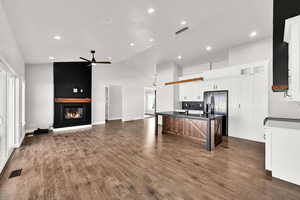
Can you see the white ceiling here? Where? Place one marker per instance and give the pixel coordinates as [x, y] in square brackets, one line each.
[83, 26]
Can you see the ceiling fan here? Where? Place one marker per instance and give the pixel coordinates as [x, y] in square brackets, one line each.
[93, 61]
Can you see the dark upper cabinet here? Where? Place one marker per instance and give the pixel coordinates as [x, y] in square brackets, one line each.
[283, 9]
[70, 75]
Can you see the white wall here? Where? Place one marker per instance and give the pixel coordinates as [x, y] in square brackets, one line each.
[251, 52]
[10, 52]
[132, 82]
[167, 97]
[199, 68]
[39, 96]
[115, 102]
[9, 48]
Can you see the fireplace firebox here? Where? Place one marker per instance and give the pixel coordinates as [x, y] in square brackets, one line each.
[71, 114]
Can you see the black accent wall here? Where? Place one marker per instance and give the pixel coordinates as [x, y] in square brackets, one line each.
[69, 75]
[283, 9]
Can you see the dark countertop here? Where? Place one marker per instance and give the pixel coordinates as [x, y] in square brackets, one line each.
[190, 116]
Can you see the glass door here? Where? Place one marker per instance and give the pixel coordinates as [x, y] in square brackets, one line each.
[11, 125]
[3, 135]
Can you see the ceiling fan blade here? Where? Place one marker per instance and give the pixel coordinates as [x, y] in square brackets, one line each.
[85, 59]
[103, 62]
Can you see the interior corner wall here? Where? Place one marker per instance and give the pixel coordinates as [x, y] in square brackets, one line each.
[39, 96]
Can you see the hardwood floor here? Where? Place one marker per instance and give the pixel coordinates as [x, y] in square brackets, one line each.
[126, 161]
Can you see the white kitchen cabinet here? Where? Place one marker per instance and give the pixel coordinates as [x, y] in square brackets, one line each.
[190, 91]
[247, 87]
[292, 37]
[282, 150]
[268, 148]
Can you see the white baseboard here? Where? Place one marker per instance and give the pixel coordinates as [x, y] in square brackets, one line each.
[132, 119]
[115, 118]
[20, 142]
[72, 128]
[99, 123]
[29, 131]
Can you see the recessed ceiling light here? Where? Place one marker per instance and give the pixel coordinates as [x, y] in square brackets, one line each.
[151, 10]
[179, 57]
[57, 37]
[151, 39]
[107, 20]
[253, 34]
[183, 22]
[208, 48]
[51, 58]
[132, 44]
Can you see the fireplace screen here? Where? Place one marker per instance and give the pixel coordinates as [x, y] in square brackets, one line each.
[73, 112]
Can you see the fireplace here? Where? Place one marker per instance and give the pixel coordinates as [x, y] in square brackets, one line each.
[72, 94]
[68, 114]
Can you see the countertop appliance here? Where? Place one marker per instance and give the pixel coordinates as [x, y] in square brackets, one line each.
[216, 102]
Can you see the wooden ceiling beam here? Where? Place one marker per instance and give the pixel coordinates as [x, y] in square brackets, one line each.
[184, 81]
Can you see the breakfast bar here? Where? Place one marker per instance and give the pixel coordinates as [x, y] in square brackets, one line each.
[206, 128]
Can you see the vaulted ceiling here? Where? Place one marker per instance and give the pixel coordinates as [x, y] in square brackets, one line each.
[109, 26]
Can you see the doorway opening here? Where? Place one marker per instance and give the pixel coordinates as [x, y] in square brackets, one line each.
[113, 102]
[149, 102]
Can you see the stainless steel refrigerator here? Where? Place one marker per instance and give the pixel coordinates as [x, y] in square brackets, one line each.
[216, 102]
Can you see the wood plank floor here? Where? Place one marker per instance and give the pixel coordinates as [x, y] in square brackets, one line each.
[126, 161]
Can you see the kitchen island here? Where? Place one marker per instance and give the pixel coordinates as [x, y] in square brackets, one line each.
[204, 127]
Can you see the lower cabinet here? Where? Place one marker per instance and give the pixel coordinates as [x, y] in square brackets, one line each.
[282, 152]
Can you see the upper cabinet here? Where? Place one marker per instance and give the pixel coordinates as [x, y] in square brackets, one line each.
[190, 91]
[292, 37]
[220, 79]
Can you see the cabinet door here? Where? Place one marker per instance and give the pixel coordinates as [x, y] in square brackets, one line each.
[198, 91]
[183, 92]
[268, 148]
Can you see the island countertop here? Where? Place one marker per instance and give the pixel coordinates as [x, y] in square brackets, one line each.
[190, 116]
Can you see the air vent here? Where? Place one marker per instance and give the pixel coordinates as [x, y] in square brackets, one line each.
[15, 173]
[181, 30]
